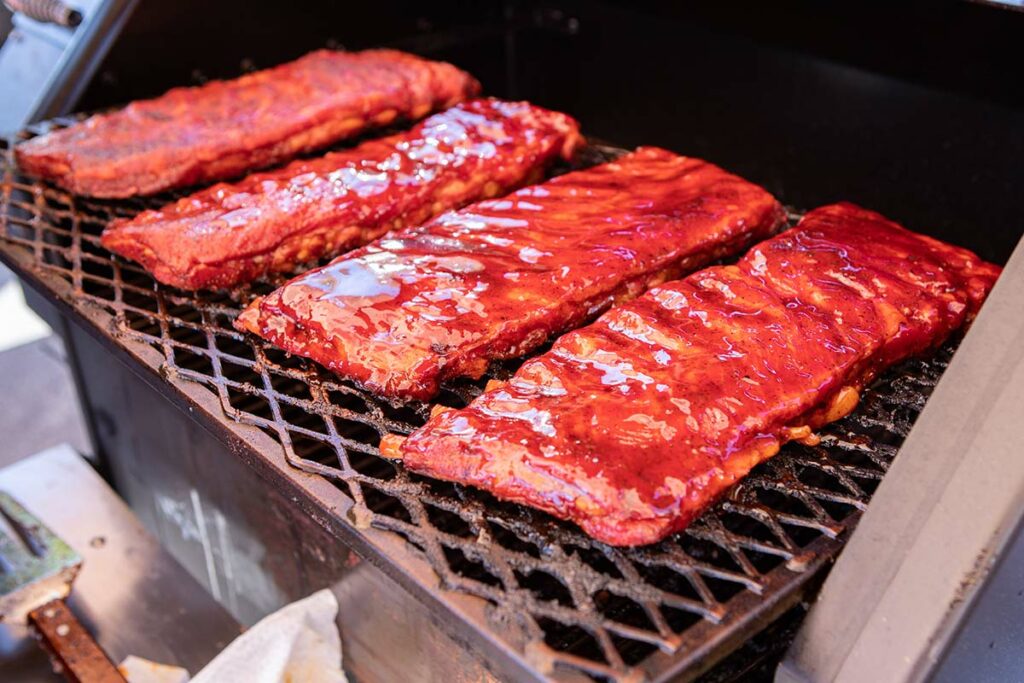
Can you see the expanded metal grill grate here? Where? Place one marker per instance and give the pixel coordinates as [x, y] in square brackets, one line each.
[665, 610]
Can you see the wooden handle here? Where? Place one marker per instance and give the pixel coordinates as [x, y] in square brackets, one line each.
[71, 647]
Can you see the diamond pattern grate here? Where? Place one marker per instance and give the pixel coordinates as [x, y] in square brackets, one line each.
[611, 614]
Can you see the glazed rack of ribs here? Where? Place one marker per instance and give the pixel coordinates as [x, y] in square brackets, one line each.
[498, 278]
[228, 234]
[563, 604]
[632, 426]
[220, 129]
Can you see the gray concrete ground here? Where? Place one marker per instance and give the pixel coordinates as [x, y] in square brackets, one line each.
[38, 405]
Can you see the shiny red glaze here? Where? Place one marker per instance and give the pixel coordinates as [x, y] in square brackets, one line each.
[222, 128]
[498, 278]
[632, 426]
[268, 222]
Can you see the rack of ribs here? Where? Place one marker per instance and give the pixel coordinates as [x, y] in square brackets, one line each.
[270, 222]
[219, 130]
[632, 426]
[500, 277]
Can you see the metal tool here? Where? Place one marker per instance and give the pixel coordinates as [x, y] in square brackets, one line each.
[36, 572]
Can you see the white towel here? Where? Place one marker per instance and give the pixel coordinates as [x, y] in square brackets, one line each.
[299, 642]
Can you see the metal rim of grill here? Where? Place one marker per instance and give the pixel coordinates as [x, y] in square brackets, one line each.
[651, 613]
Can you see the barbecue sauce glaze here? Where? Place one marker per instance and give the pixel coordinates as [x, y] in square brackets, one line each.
[498, 278]
[222, 128]
[269, 222]
[634, 425]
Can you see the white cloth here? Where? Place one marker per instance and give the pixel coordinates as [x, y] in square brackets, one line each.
[139, 670]
[299, 642]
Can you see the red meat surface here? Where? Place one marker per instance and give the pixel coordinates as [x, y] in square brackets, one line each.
[269, 222]
[634, 425]
[223, 128]
[500, 277]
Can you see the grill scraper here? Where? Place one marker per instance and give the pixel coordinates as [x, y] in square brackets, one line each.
[36, 572]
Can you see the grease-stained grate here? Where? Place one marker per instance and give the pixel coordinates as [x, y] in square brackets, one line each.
[617, 614]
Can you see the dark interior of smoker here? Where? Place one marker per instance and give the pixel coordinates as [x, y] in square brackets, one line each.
[905, 109]
[911, 109]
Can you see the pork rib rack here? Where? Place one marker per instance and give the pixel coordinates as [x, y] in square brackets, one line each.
[632, 426]
[270, 222]
[500, 277]
[219, 130]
